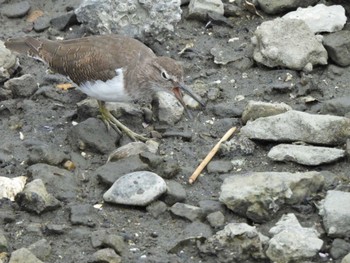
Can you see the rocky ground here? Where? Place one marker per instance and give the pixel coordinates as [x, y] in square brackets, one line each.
[278, 191]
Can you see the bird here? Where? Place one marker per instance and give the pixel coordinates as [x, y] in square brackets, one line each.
[109, 68]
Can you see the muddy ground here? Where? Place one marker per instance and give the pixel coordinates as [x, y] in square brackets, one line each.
[49, 119]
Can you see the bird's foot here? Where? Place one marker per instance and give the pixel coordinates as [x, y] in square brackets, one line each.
[112, 121]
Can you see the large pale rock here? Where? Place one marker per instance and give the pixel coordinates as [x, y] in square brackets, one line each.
[10, 187]
[335, 211]
[288, 43]
[300, 126]
[279, 6]
[8, 62]
[292, 242]
[131, 17]
[237, 242]
[321, 18]
[306, 155]
[260, 195]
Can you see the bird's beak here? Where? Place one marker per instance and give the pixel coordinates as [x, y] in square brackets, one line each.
[178, 94]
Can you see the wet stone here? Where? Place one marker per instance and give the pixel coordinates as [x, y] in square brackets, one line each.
[189, 212]
[137, 188]
[41, 249]
[340, 248]
[175, 193]
[55, 229]
[82, 215]
[339, 106]
[168, 169]
[23, 86]
[216, 219]
[211, 206]
[106, 255]
[64, 21]
[156, 208]
[15, 10]
[35, 198]
[44, 153]
[41, 24]
[219, 166]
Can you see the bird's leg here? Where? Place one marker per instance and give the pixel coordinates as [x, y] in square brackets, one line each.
[110, 120]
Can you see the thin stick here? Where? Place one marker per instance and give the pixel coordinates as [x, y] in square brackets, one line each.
[210, 155]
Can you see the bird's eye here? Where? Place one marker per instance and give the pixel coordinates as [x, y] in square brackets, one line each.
[164, 75]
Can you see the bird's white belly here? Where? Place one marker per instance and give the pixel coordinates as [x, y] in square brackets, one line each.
[110, 90]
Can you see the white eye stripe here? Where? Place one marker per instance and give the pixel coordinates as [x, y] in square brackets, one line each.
[165, 75]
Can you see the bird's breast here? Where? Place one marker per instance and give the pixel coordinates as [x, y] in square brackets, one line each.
[112, 90]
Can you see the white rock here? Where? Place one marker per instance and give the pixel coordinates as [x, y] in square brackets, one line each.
[306, 155]
[202, 7]
[292, 242]
[8, 62]
[168, 109]
[321, 18]
[335, 212]
[137, 188]
[10, 187]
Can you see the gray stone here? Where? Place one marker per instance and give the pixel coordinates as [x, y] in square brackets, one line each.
[279, 6]
[106, 255]
[198, 229]
[114, 241]
[259, 195]
[175, 193]
[23, 255]
[137, 188]
[45, 153]
[82, 215]
[346, 259]
[238, 145]
[23, 86]
[216, 219]
[237, 242]
[288, 43]
[127, 150]
[257, 109]
[41, 249]
[35, 198]
[97, 237]
[189, 212]
[132, 18]
[219, 166]
[56, 229]
[15, 10]
[339, 106]
[64, 21]
[226, 109]
[156, 208]
[340, 248]
[335, 211]
[300, 126]
[112, 171]
[230, 52]
[291, 242]
[338, 45]
[93, 135]
[167, 108]
[306, 155]
[8, 63]
[58, 181]
[320, 18]
[211, 206]
[200, 8]
[41, 24]
[4, 246]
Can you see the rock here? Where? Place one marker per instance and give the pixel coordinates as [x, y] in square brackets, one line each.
[23, 255]
[4, 246]
[92, 134]
[337, 46]
[41, 249]
[15, 10]
[237, 242]
[339, 248]
[306, 155]
[230, 52]
[115, 242]
[346, 259]
[130, 18]
[258, 109]
[64, 21]
[320, 18]
[106, 255]
[23, 86]
[82, 215]
[219, 166]
[45, 153]
[58, 181]
[216, 219]
[35, 198]
[112, 171]
[41, 24]
[55, 229]
[137, 188]
[226, 109]
[156, 208]
[291, 242]
[189, 212]
[127, 150]
[288, 43]
[259, 195]
[197, 229]
[175, 193]
[339, 106]
[10, 187]
[239, 144]
[200, 8]
[167, 108]
[299, 126]
[8, 63]
[211, 206]
[335, 212]
[279, 6]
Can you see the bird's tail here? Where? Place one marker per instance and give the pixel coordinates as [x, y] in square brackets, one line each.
[25, 45]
